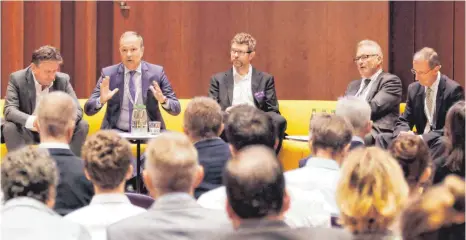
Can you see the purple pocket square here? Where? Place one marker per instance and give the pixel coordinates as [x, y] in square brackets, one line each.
[259, 95]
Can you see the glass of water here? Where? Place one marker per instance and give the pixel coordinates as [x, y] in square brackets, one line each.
[154, 127]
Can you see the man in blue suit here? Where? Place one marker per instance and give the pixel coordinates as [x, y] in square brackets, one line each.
[130, 82]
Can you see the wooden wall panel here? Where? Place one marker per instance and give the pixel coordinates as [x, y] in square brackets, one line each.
[104, 37]
[12, 41]
[68, 38]
[459, 41]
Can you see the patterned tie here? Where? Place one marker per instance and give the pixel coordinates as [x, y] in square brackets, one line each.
[132, 92]
[429, 101]
[366, 83]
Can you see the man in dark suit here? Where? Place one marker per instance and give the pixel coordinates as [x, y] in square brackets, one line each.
[56, 116]
[428, 101]
[25, 90]
[203, 124]
[380, 89]
[243, 84]
[133, 82]
[171, 175]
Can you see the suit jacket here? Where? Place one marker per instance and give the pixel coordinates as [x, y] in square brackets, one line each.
[448, 93]
[74, 190]
[20, 100]
[262, 84]
[384, 97]
[27, 218]
[171, 218]
[353, 145]
[213, 154]
[150, 73]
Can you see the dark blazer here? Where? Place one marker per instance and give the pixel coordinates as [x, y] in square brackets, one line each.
[171, 219]
[74, 190]
[213, 154]
[448, 93]
[150, 73]
[262, 84]
[384, 97]
[442, 171]
[20, 100]
[353, 145]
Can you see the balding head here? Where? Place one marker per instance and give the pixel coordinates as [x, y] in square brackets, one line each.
[255, 185]
[172, 165]
[57, 113]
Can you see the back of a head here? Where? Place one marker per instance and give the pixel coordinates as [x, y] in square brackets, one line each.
[172, 163]
[107, 158]
[454, 132]
[29, 172]
[203, 118]
[254, 183]
[56, 114]
[371, 190]
[439, 208]
[247, 125]
[329, 131]
[413, 155]
[356, 111]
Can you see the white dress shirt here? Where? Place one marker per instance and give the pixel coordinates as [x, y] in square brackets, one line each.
[39, 95]
[366, 91]
[48, 145]
[104, 210]
[430, 115]
[242, 91]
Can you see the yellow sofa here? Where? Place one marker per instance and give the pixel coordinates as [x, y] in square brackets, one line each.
[296, 112]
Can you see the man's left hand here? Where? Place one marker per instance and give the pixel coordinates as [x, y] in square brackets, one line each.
[157, 92]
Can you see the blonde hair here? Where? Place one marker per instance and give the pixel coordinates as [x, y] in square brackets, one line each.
[172, 162]
[56, 113]
[371, 190]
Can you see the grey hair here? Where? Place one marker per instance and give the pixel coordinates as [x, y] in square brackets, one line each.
[133, 33]
[356, 111]
[428, 54]
[371, 43]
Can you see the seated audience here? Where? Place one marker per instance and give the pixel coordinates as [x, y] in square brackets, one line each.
[56, 115]
[371, 193]
[412, 154]
[438, 214]
[171, 175]
[29, 179]
[203, 125]
[452, 162]
[107, 164]
[329, 141]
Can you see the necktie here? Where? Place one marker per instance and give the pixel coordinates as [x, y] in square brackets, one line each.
[429, 101]
[366, 83]
[132, 92]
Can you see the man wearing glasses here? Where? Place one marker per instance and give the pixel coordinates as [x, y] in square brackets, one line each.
[427, 104]
[380, 89]
[243, 84]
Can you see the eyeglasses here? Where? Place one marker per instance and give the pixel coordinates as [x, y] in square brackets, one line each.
[239, 52]
[419, 73]
[364, 57]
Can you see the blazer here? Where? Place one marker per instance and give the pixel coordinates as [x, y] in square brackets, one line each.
[170, 217]
[74, 190]
[20, 100]
[27, 218]
[384, 97]
[262, 85]
[448, 93]
[150, 73]
[213, 154]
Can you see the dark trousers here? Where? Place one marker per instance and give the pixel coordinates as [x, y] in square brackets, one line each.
[17, 136]
[436, 145]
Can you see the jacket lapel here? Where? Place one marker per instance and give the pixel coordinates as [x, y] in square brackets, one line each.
[145, 81]
[119, 82]
[229, 85]
[31, 87]
[439, 100]
[255, 81]
[374, 87]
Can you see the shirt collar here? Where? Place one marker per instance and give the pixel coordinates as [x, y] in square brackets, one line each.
[138, 69]
[206, 139]
[322, 163]
[235, 73]
[38, 85]
[109, 198]
[357, 139]
[54, 145]
[28, 201]
[375, 76]
[174, 196]
[434, 86]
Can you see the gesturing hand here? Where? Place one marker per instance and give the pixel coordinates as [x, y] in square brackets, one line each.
[105, 93]
[157, 92]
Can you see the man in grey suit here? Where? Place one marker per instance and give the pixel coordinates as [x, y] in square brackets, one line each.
[380, 89]
[25, 90]
[29, 179]
[171, 175]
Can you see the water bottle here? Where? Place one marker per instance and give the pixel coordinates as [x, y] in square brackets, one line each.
[139, 120]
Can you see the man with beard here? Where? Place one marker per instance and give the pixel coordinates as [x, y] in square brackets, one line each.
[243, 84]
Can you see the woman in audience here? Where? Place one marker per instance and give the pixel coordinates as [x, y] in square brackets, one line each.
[412, 154]
[453, 161]
[371, 193]
[437, 214]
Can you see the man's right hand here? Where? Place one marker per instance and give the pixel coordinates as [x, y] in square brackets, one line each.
[35, 125]
[105, 93]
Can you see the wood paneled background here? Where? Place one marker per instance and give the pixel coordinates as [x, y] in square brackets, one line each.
[307, 46]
